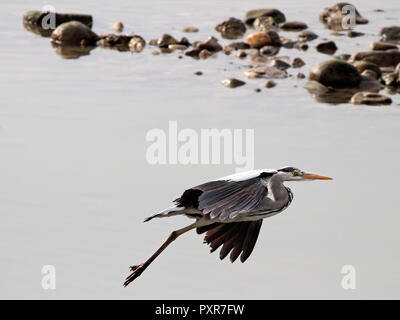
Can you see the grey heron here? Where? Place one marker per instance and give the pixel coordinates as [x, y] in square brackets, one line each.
[230, 210]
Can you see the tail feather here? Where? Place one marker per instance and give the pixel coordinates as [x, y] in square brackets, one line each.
[171, 211]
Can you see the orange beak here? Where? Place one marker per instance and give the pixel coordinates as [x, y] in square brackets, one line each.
[313, 176]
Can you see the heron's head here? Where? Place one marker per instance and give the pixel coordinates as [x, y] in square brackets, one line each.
[295, 174]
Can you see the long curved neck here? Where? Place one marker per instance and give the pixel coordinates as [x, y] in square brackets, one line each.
[277, 190]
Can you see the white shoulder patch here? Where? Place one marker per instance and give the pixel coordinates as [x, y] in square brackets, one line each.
[241, 176]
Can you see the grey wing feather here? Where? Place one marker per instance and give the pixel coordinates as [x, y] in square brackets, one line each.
[228, 199]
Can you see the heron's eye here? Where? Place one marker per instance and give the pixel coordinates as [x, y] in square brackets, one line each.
[296, 173]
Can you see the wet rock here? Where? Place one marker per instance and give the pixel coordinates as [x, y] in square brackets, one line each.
[336, 74]
[269, 50]
[327, 94]
[301, 46]
[74, 33]
[265, 23]
[231, 29]
[204, 54]
[117, 26]
[251, 15]
[237, 46]
[343, 57]
[288, 43]
[190, 29]
[391, 33]
[334, 16]
[270, 84]
[301, 75]
[193, 53]
[241, 54]
[198, 73]
[397, 69]
[137, 43]
[266, 72]
[44, 23]
[293, 26]
[166, 40]
[382, 46]
[328, 47]
[261, 39]
[153, 42]
[211, 44]
[257, 90]
[298, 63]
[114, 41]
[354, 34]
[307, 35]
[391, 79]
[362, 66]
[370, 98]
[381, 58]
[233, 83]
[369, 74]
[184, 41]
[279, 64]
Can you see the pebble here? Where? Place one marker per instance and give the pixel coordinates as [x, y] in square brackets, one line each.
[118, 26]
[261, 39]
[328, 47]
[211, 44]
[137, 44]
[354, 34]
[382, 46]
[204, 54]
[269, 50]
[386, 58]
[293, 26]
[190, 29]
[270, 84]
[265, 23]
[336, 74]
[370, 98]
[231, 29]
[298, 63]
[276, 14]
[333, 16]
[233, 83]
[390, 33]
[307, 35]
[240, 54]
[74, 33]
[198, 73]
[301, 75]
[165, 40]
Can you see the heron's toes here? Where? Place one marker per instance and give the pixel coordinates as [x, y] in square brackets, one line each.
[136, 272]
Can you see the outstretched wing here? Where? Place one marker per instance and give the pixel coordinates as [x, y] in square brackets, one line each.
[227, 198]
[237, 238]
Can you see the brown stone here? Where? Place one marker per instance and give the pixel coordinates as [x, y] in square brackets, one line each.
[328, 47]
[381, 58]
[261, 39]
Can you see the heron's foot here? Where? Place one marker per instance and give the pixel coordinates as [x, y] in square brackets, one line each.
[136, 272]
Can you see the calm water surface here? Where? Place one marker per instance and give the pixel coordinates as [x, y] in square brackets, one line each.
[75, 184]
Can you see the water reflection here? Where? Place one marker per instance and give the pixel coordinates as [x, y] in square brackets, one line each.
[331, 95]
[71, 52]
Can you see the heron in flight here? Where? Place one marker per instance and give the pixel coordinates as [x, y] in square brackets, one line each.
[230, 210]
